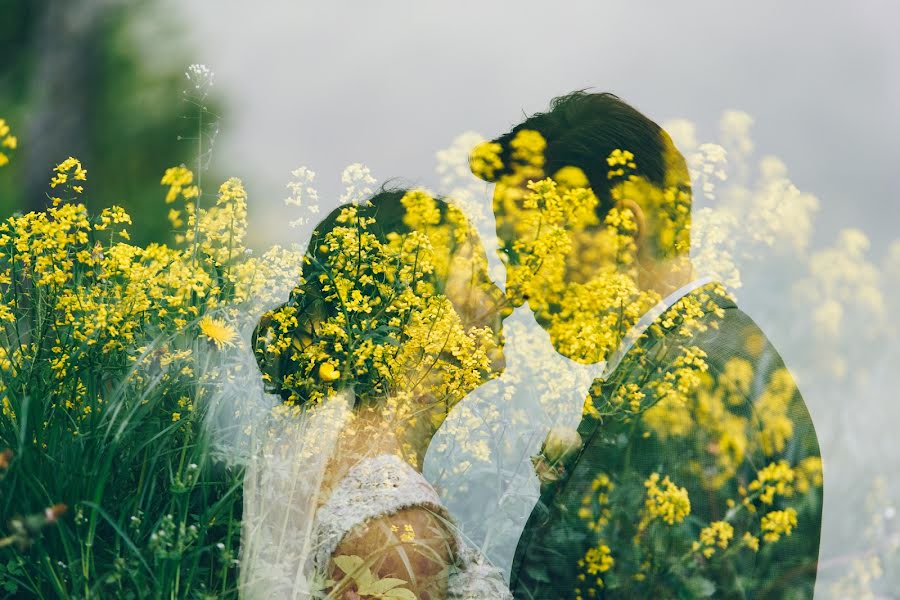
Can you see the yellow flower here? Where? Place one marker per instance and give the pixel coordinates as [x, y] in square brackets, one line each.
[69, 167]
[809, 473]
[176, 417]
[485, 161]
[409, 534]
[774, 478]
[570, 177]
[217, 331]
[328, 372]
[175, 218]
[598, 559]
[178, 178]
[667, 502]
[719, 533]
[751, 541]
[778, 523]
[7, 140]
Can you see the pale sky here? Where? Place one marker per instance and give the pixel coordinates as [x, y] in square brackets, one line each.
[324, 84]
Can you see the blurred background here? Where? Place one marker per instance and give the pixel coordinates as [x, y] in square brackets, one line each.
[325, 85]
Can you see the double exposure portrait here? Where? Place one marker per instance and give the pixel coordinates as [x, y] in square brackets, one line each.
[471, 302]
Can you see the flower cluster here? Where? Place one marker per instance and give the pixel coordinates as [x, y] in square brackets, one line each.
[717, 534]
[8, 143]
[68, 174]
[597, 560]
[665, 500]
[373, 310]
[114, 355]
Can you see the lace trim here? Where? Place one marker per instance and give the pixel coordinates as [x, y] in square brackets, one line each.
[476, 579]
[373, 488]
[384, 485]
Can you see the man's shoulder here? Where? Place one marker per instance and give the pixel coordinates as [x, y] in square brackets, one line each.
[710, 318]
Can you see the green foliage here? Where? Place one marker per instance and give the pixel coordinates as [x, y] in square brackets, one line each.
[122, 100]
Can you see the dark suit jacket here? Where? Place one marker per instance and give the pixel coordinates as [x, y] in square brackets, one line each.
[747, 414]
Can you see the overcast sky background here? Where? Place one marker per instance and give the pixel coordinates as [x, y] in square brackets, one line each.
[388, 84]
[324, 84]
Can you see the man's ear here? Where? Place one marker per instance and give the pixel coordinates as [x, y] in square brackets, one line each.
[639, 217]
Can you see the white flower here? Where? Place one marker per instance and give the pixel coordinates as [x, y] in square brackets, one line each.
[357, 178]
[201, 79]
[303, 195]
[707, 164]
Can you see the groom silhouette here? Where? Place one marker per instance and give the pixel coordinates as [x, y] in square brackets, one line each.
[695, 471]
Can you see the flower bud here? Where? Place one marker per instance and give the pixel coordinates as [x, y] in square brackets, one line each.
[327, 372]
[560, 444]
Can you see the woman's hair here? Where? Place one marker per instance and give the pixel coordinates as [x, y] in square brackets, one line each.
[370, 297]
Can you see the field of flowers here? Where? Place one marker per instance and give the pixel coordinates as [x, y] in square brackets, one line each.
[112, 358]
[125, 398]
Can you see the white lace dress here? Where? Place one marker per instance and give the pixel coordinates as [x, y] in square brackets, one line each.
[384, 485]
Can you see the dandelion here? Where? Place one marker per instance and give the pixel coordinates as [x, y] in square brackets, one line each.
[217, 331]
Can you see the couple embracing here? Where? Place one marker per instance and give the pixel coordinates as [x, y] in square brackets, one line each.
[694, 472]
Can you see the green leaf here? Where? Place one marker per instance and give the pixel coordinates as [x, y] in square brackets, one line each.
[399, 594]
[349, 564]
[364, 580]
[700, 587]
[381, 586]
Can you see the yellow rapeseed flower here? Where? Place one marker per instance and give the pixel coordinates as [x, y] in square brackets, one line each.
[69, 168]
[667, 501]
[485, 160]
[719, 533]
[778, 523]
[179, 180]
[751, 541]
[7, 140]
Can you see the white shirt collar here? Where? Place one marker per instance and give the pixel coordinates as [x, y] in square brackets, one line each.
[646, 320]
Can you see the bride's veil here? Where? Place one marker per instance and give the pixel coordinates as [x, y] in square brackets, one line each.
[282, 484]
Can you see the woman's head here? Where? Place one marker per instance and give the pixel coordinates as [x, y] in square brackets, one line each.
[395, 302]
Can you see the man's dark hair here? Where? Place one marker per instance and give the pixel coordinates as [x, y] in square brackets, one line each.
[582, 129]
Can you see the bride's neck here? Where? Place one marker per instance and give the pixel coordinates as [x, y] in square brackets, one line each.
[373, 432]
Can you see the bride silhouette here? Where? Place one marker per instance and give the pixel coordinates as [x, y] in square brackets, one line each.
[393, 322]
